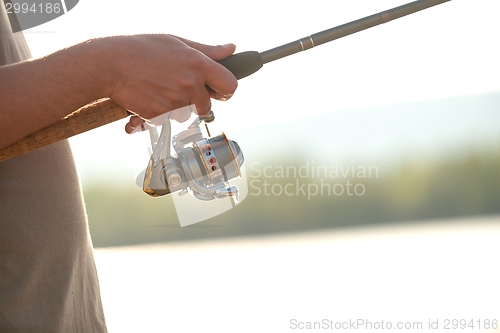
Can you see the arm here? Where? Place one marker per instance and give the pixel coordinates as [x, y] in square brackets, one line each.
[147, 74]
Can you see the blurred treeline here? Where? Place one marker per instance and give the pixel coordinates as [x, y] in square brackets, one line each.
[411, 191]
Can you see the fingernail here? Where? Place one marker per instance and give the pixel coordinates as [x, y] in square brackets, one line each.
[222, 97]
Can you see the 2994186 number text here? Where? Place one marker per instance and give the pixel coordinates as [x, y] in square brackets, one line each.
[459, 324]
[33, 8]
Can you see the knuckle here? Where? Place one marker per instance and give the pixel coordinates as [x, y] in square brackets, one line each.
[186, 82]
[195, 60]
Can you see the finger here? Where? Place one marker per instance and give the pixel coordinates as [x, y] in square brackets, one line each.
[202, 102]
[221, 81]
[218, 96]
[133, 123]
[218, 78]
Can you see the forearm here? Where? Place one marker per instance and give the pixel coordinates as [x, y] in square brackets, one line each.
[37, 93]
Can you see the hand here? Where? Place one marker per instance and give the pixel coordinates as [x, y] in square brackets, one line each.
[147, 74]
[154, 74]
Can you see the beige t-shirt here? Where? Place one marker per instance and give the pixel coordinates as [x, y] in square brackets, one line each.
[48, 280]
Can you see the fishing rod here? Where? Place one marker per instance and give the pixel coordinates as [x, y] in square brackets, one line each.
[243, 64]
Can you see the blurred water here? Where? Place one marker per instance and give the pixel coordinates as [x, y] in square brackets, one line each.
[442, 270]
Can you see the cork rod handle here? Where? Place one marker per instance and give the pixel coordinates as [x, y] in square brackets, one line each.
[89, 117]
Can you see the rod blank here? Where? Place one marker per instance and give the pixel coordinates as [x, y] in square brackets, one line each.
[346, 29]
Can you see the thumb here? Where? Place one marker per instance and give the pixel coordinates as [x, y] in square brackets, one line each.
[217, 52]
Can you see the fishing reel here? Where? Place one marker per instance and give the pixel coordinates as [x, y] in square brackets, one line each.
[201, 166]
